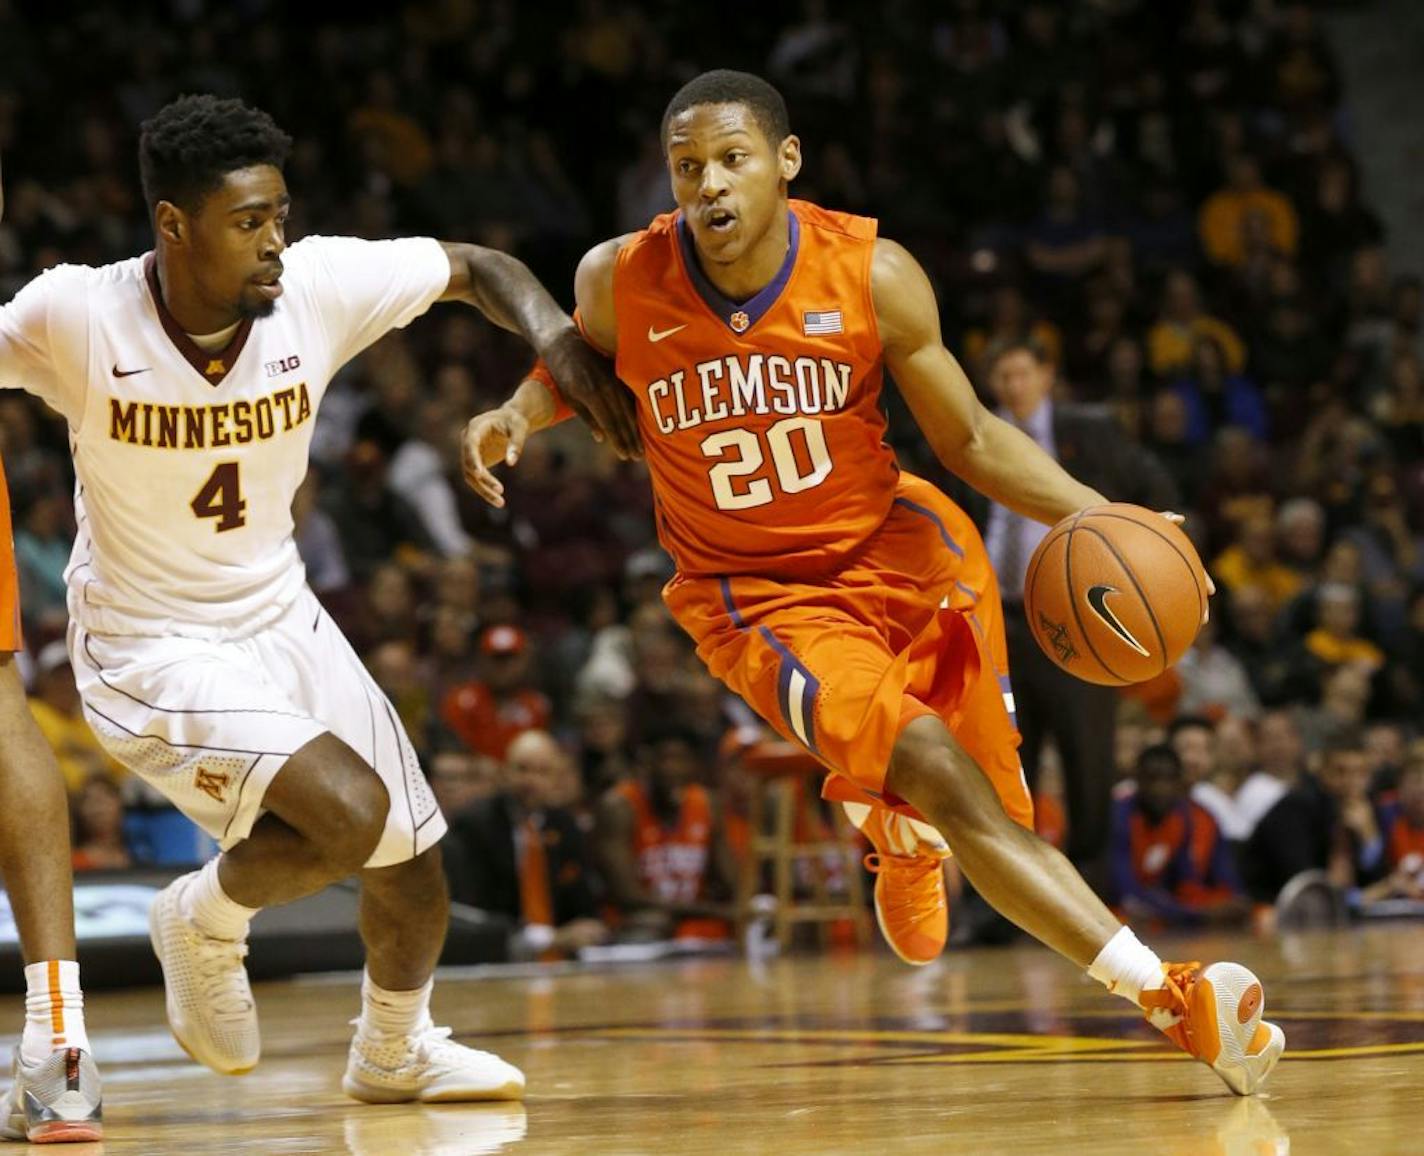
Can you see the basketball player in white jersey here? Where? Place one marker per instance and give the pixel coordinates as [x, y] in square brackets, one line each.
[190, 378]
[55, 1094]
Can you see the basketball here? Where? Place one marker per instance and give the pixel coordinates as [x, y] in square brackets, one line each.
[1115, 594]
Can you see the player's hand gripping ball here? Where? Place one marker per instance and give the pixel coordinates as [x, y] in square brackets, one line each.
[1115, 594]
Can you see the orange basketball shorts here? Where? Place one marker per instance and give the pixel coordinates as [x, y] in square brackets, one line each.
[10, 636]
[911, 626]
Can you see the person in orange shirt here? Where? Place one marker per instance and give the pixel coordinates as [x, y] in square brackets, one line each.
[1402, 827]
[850, 603]
[489, 713]
[660, 841]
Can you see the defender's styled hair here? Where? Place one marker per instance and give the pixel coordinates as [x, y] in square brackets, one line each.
[724, 86]
[188, 147]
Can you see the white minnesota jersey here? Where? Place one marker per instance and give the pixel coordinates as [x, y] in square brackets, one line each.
[187, 461]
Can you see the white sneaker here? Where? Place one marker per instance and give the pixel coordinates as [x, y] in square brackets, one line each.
[1215, 1014]
[210, 1006]
[56, 1101]
[428, 1066]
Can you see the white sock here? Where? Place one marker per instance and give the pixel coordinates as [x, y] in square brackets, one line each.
[1127, 968]
[393, 1013]
[205, 904]
[54, 1010]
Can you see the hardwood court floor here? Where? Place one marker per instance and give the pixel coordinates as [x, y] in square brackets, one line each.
[983, 1052]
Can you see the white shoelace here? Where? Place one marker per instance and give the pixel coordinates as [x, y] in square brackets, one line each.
[219, 964]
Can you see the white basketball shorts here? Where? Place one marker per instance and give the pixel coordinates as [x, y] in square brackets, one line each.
[211, 723]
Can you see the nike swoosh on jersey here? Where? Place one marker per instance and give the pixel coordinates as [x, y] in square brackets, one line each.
[130, 372]
[1098, 600]
[654, 336]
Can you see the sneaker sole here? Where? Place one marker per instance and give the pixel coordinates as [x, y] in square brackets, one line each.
[1236, 990]
[194, 1054]
[66, 1132]
[375, 1094]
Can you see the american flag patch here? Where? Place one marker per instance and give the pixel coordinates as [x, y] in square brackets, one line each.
[826, 321]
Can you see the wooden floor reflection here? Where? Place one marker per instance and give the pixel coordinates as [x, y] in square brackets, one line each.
[983, 1052]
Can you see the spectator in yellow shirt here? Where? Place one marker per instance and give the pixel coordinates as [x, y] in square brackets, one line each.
[1336, 640]
[55, 705]
[1223, 217]
[1173, 337]
[1251, 561]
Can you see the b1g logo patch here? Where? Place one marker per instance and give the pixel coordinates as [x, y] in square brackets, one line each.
[285, 365]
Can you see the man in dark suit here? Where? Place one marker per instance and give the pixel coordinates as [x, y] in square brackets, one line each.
[529, 861]
[1080, 717]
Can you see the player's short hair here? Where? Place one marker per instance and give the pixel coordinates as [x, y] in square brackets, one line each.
[188, 147]
[726, 86]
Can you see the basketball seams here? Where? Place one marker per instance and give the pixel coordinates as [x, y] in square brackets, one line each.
[1136, 585]
[1073, 602]
[1103, 512]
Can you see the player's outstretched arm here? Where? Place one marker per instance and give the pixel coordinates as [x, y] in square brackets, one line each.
[498, 435]
[993, 456]
[502, 288]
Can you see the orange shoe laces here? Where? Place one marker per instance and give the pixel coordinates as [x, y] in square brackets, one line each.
[1174, 998]
[916, 883]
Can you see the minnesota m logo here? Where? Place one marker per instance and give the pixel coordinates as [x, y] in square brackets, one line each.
[213, 783]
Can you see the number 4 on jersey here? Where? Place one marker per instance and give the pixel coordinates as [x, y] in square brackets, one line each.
[221, 498]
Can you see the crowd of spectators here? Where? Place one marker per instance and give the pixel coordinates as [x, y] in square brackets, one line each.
[1162, 195]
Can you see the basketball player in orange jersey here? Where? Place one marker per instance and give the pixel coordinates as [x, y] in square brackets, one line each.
[55, 1095]
[851, 604]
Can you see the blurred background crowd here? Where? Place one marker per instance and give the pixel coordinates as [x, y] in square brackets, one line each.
[1147, 216]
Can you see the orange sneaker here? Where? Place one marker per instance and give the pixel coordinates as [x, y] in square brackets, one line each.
[910, 902]
[1215, 1015]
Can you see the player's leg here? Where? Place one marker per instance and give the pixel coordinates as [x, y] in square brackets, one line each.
[55, 1094]
[293, 806]
[398, 1054]
[1213, 1014]
[325, 813]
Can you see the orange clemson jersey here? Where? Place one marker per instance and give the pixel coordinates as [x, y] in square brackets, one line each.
[672, 861]
[761, 418]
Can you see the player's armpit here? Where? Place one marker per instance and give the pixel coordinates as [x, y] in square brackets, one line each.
[996, 458]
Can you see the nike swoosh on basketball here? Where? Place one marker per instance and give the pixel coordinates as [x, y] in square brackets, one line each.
[130, 372]
[1098, 600]
[655, 336]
